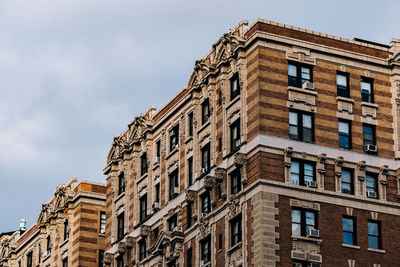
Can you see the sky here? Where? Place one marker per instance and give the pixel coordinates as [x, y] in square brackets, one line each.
[73, 74]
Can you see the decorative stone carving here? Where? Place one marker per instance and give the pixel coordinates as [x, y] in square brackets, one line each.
[234, 207]
[122, 247]
[209, 181]
[191, 196]
[221, 177]
[240, 161]
[145, 230]
[204, 228]
[361, 165]
[302, 99]
[108, 258]
[130, 242]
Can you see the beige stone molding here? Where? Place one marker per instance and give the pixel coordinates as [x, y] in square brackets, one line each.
[302, 99]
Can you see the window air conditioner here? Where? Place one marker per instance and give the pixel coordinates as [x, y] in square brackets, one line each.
[201, 263]
[237, 143]
[156, 160]
[203, 170]
[176, 190]
[311, 184]
[155, 206]
[308, 85]
[313, 233]
[371, 194]
[370, 148]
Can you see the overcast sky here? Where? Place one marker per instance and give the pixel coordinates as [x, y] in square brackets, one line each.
[73, 74]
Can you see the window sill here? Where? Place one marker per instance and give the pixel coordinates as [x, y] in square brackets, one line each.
[64, 242]
[102, 234]
[345, 99]
[350, 246]
[205, 125]
[368, 104]
[188, 139]
[233, 101]
[234, 248]
[119, 197]
[301, 90]
[304, 238]
[172, 152]
[377, 250]
[144, 176]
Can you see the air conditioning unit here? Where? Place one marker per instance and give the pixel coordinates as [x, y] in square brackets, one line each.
[371, 194]
[155, 206]
[46, 253]
[308, 85]
[203, 214]
[176, 190]
[156, 160]
[311, 232]
[203, 170]
[174, 229]
[370, 148]
[314, 264]
[202, 263]
[311, 184]
[237, 143]
[176, 146]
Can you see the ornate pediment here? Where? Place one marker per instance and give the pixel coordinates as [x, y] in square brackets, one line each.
[62, 196]
[170, 244]
[46, 213]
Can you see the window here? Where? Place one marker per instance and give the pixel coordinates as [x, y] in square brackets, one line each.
[172, 263]
[39, 253]
[219, 97]
[190, 121]
[142, 249]
[157, 193]
[173, 138]
[206, 202]
[121, 226]
[235, 135]
[236, 181]
[349, 233]
[101, 257]
[299, 74]
[346, 182]
[172, 223]
[220, 237]
[366, 90]
[143, 164]
[372, 185]
[342, 82]
[374, 235]
[205, 159]
[173, 184]
[65, 262]
[236, 230]
[344, 134]
[121, 183]
[205, 246]
[190, 171]
[235, 87]
[66, 230]
[102, 222]
[301, 126]
[120, 261]
[368, 134]
[29, 260]
[48, 244]
[189, 257]
[301, 173]
[158, 149]
[205, 111]
[220, 144]
[302, 220]
[143, 208]
[189, 217]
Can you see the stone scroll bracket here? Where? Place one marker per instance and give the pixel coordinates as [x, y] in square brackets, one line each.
[240, 161]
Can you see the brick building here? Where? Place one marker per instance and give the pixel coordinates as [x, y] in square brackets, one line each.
[281, 150]
[70, 230]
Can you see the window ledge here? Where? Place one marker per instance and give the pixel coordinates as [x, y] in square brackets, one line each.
[102, 234]
[188, 139]
[119, 197]
[64, 242]
[172, 152]
[345, 99]
[144, 176]
[204, 126]
[233, 101]
[304, 238]
[301, 90]
[377, 250]
[350, 246]
[372, 105]
[234, 248]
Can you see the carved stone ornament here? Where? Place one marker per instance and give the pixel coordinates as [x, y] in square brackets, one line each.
[240, 159]
[145, 230]
[209, 181]
[220, 174]
[130, 242]
[204, 228]
[233, 206]
[339, 161]
[361, 165]
[322, 158]
[121, 247]
[191, 196]
[108, 258]
[383, 169]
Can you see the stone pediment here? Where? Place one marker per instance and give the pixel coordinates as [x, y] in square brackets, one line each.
[166, 241]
